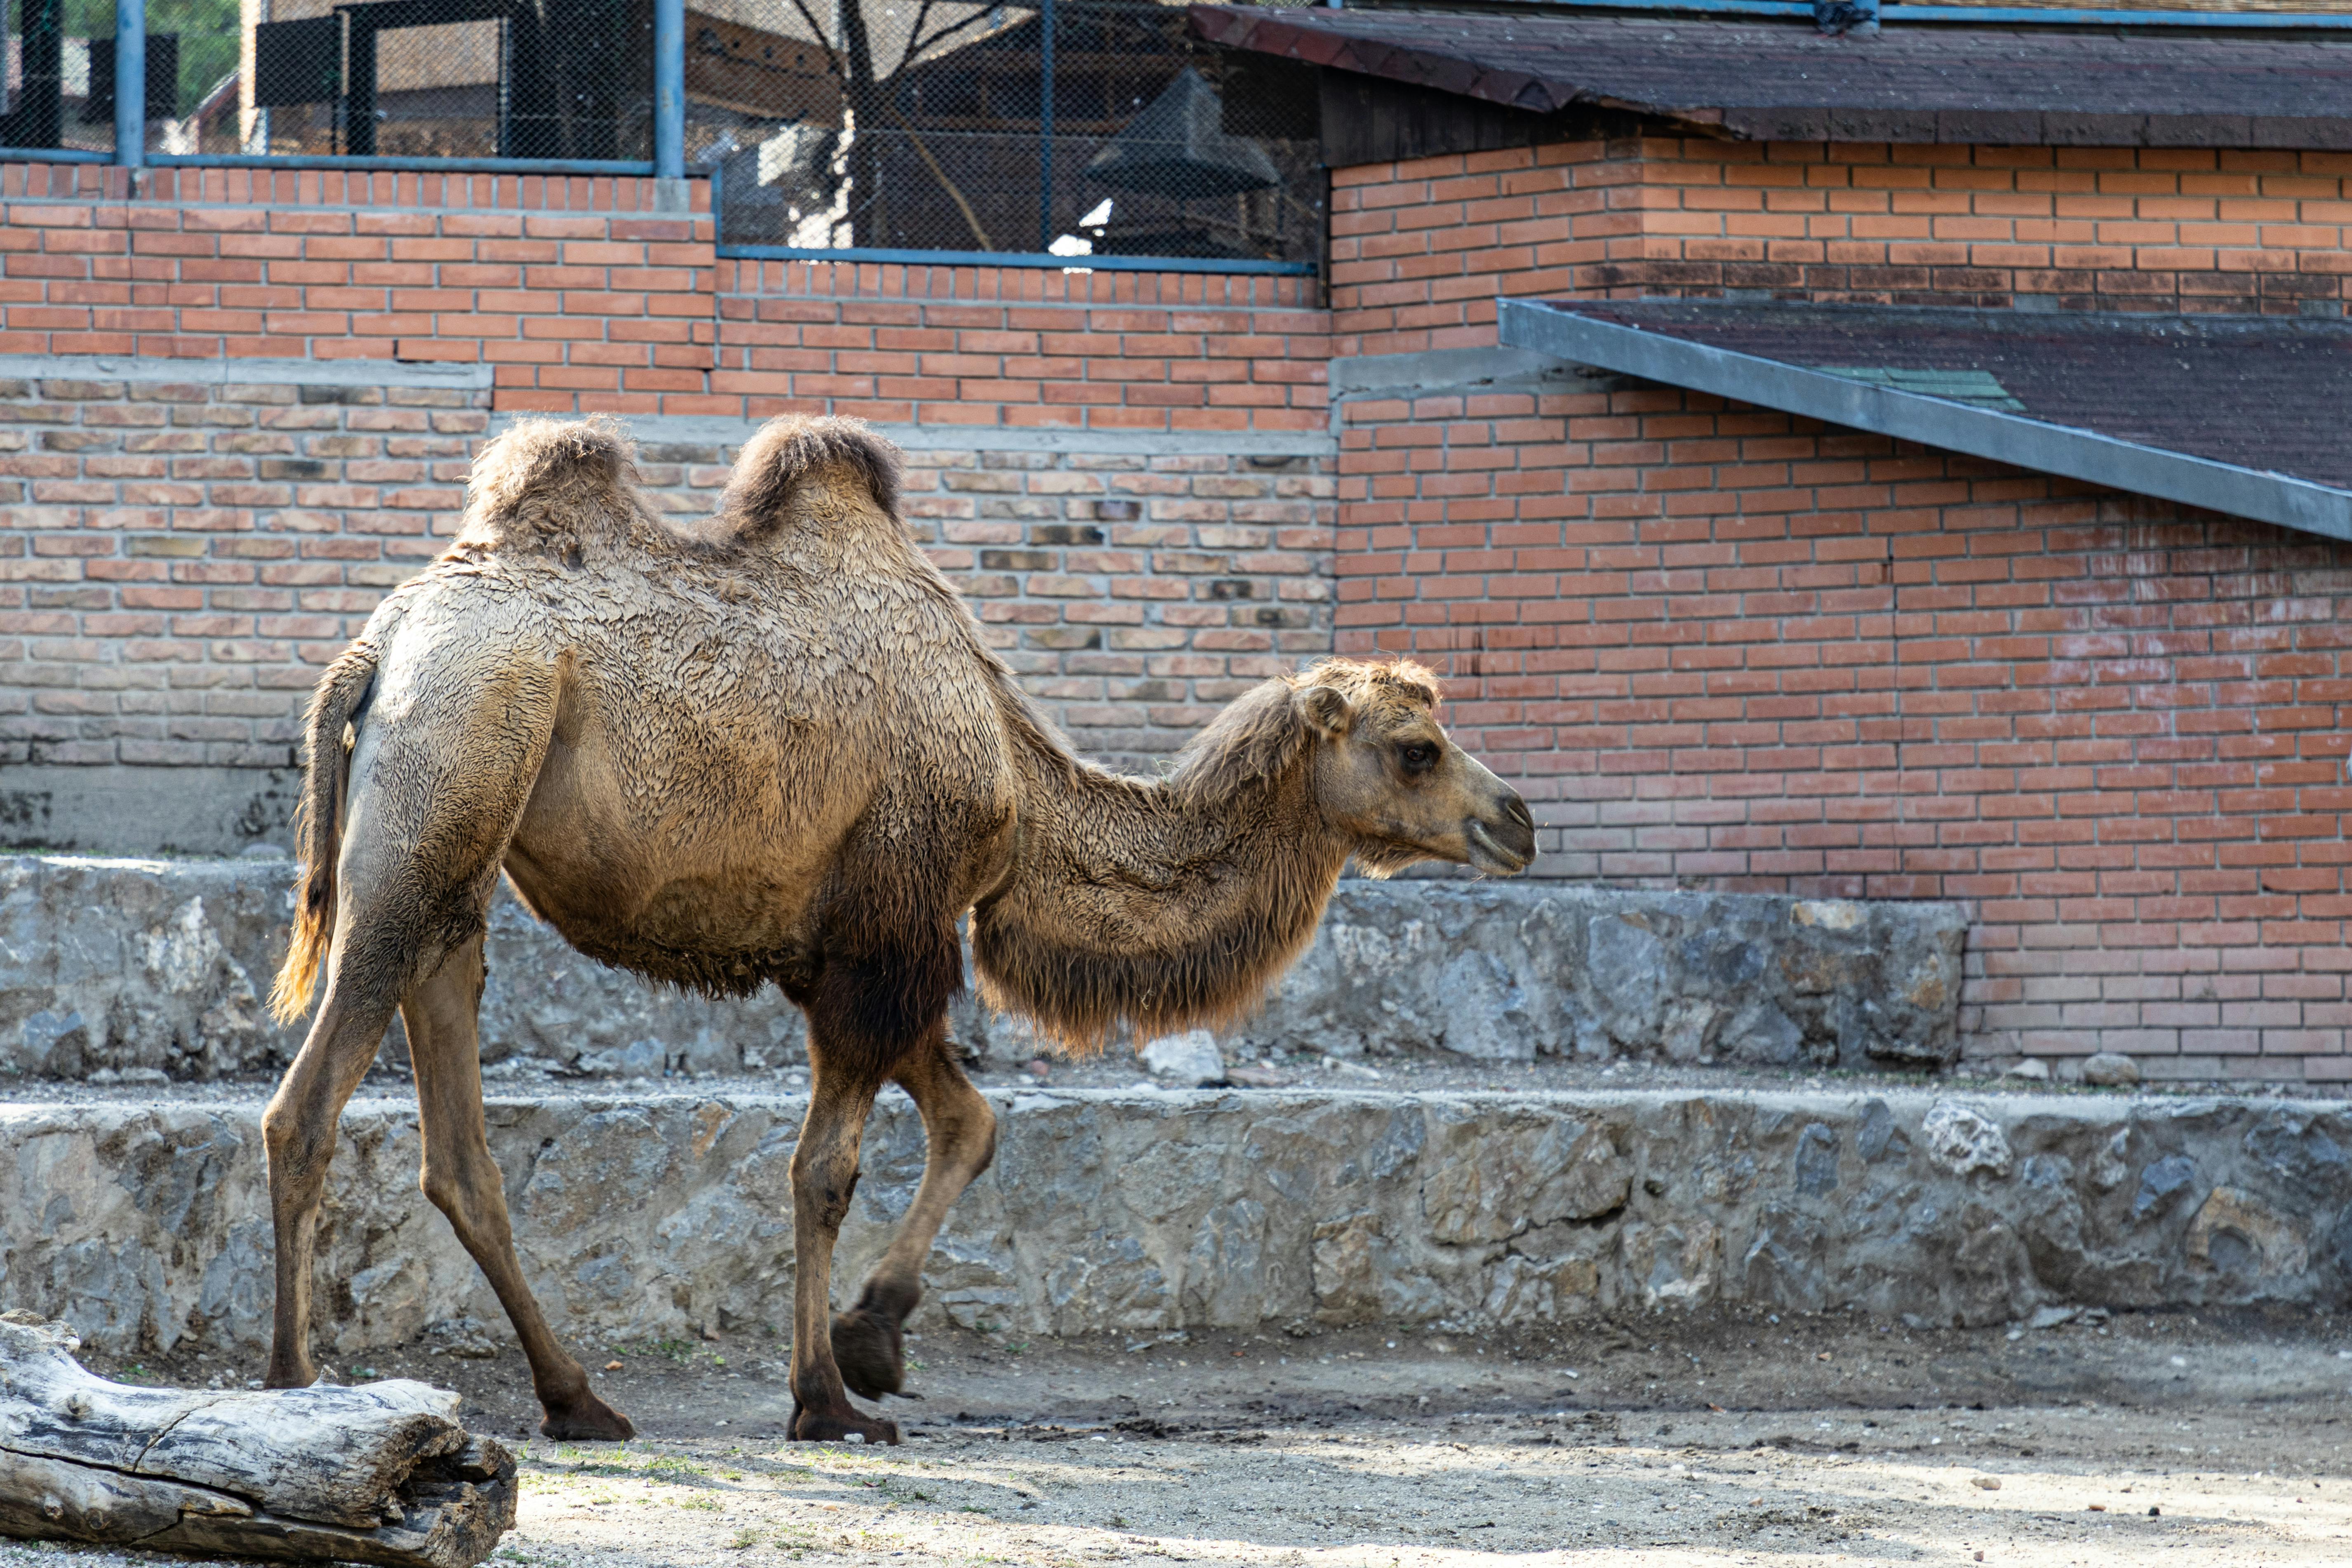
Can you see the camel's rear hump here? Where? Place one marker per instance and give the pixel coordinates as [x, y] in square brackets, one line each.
[556, 485]
[797, 473]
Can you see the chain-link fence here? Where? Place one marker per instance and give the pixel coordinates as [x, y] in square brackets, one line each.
[1068, 128]
[452, 78]
[569, 80]
[60, 75]
[1077, 127]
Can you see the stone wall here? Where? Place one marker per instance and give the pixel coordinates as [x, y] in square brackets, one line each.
[1155, 1211]
[109, 966]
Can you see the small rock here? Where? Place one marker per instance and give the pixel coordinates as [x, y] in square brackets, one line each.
[105, 1077]
[464, 1338]
[1963, 1138]
[2050, 1316]
[154, 1077]
[1986, 1483]
[2111, 1070]
[1191, 1059]
[1038, 1067]
[1255, 1077]
[2037, 1070]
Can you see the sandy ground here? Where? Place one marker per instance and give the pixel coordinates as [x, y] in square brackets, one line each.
[1725, 1439]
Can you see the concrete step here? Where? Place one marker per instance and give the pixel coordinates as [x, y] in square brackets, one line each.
[144, 1223]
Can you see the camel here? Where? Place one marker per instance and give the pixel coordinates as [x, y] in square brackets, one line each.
[774, 747]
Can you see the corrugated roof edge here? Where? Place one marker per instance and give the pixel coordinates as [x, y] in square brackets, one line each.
[2281, 498]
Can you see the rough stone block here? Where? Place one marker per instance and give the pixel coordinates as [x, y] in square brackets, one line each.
[664, 1215]
[162, 960]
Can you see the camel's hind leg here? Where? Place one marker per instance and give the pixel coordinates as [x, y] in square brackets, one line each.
[825, 1176]
[299, 1132]
[441, 1011]
[962, 1130]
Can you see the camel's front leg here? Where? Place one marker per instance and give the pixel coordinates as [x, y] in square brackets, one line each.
[465, 1184]
[825, 1176]
[961, 1129]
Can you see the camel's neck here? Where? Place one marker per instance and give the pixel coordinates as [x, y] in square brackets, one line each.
[1149, 902]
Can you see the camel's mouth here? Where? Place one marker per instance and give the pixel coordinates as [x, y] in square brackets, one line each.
[1490, 853]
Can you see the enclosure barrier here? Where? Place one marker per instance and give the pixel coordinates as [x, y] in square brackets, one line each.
[1058, 133]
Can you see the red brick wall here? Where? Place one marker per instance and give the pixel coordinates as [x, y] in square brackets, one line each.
[584, 299]
[1718, 644]
[1021, 347]
[179, 560]
[1421, 251]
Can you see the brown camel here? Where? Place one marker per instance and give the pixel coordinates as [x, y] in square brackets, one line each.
[775, 748]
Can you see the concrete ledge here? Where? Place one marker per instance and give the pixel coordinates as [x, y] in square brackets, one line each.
[145, 1226]
[696, 430]
[244, 372]
[114, 808]
[162, 963]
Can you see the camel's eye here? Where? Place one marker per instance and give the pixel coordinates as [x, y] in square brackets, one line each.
[1418, 757]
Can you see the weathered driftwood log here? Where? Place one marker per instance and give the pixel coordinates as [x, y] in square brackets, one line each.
[380, 1474]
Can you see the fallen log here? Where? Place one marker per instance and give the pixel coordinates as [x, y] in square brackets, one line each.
[380, 1474]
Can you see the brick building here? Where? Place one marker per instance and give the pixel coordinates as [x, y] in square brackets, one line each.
[1869, 621]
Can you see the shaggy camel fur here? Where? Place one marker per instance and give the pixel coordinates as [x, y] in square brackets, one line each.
[775, 748]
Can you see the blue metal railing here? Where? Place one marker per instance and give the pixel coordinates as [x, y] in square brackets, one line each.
[669, 161]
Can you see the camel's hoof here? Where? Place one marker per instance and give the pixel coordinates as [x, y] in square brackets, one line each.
[298, 1378]
[870, 1353]
[589, 1420]
[816, 1427]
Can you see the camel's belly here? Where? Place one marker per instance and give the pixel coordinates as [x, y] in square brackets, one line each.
[708, 888]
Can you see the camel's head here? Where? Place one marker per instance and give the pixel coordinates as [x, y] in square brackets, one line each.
[1386, 774]
[1381, 771]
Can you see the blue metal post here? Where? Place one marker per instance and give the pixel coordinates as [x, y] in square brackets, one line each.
[1046, 126]
[669, 89]
[130, 83]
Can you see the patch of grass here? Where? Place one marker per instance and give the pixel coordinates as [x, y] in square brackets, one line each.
[743, 1538]
[675, 1464]
[534, 1560]
[710, 1503]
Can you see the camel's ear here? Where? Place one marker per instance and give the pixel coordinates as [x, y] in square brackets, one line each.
[1326, 710]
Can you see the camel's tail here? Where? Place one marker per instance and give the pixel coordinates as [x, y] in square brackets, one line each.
[318, 823]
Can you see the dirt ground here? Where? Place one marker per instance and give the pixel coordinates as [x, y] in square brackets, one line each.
[2187, 1440]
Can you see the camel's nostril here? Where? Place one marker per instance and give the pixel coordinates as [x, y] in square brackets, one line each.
[1516, 810]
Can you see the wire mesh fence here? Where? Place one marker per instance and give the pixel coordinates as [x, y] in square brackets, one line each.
[1071, 127]
[449, 79]
[60, 75]
[567, 80]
